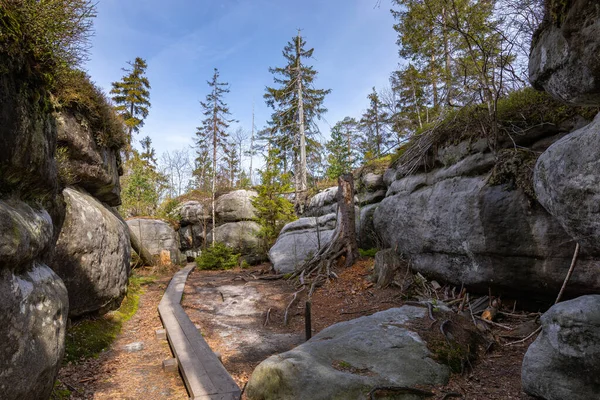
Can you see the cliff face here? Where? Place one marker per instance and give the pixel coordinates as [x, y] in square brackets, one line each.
[93, 252]
[469, 215]
[565, 61]
[62, 251]
[33, 299]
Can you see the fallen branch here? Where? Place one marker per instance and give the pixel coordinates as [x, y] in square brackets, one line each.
[508, 328]
[525, 338]
[569, 273]
[267, 318]
[285, 316]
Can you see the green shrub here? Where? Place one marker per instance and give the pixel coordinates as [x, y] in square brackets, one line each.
[75, 92]
[368, 252]
[168, 210]
[218, 256]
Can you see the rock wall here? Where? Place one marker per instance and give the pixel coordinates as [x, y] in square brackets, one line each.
[92, 255]
[565, 53]
[33, 299]
[299, 240]
[92, 167]
[565, 61]
[235, 225]
[454, 225]
[156, 236]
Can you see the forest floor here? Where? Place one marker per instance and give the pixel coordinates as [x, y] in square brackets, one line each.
[231, 307]
[132, 367]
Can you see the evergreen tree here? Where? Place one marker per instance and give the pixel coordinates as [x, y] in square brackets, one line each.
[231, 159]
[213, 132]
[141, 187]
[374, 122]
[339, 154]
[273, 210]
[132, 96]
[296, 104]
[148, 154]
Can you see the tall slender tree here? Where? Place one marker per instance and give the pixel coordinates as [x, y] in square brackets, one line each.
[296, 104]
[213, 131]
[132, 97]
[374, 124]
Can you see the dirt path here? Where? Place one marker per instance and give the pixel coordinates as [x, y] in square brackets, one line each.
[231, 307]
[122, 373]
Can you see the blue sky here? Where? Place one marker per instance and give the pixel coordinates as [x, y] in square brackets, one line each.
[183, 40]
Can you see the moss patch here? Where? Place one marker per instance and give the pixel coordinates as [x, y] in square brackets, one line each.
[516, 113]
[87, 338]
[515, 169]
[460, 345]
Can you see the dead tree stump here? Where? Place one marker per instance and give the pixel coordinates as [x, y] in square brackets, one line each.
[343, 241]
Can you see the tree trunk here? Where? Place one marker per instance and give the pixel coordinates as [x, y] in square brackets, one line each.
[139, 248]
[343, 242]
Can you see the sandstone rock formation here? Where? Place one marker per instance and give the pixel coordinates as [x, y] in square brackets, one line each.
[94, 168]
[235, 206]
[156, 236]
[348, 359]
[564, 361]
[241, 236]
[92, 254]
[567, 183]
[33, 299]
[455, 226]
[565, 53]
[299, 240]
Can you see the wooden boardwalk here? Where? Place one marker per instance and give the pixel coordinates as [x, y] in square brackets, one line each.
[203, 373]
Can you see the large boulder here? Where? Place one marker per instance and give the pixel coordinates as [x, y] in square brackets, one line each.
[567, 183]
[156, 236]
[90, 166]
[348, 359]
[564, 361]
[33, 304]
[565, 53]
[299, 240]
[367, 236]
[455, 227]
[242, 236]
[92, 255]
[33, 299]
[33, 311]
[235, 206]
[322, 203]
[193, 213]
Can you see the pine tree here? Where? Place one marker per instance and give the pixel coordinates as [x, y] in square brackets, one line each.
[273, 210]
[148, 154]
[213, 132]
[141, 187]
[132, 97]
[374, 124]
[339, 153]
[296, 104]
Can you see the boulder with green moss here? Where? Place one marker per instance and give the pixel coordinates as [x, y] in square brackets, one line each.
[84, 162]
[347, 360]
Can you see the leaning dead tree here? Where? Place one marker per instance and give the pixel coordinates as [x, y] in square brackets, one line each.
[140, 249]
[343, 242]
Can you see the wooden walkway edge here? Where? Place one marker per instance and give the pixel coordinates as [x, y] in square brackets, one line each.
[203, 374]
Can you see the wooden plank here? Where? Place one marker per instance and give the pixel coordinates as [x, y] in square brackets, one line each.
[204, 375]
[217, 373]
